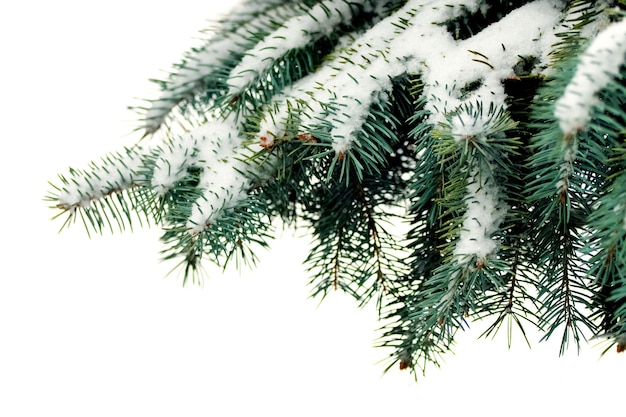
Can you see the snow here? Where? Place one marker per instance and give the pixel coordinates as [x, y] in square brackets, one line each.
[341, 92]
[196, 66]
[116, 172]
[466, 125]
[212, 147]
[227, 39]
[351, 88]
[217, 149]
[483, 216]
[384, 52]
[374, 58]
[598, 65]
[297, 32]
[456, 65]
[222, 181]
[175, 159]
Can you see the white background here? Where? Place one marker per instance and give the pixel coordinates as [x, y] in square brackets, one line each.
[92, 327]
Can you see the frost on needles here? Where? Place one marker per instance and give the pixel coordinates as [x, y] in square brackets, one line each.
[451, 160]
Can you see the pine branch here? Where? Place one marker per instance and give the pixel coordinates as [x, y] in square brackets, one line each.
[492, 129]
[581, 160]
[104, 194]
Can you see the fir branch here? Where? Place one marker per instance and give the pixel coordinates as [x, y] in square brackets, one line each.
[510, 304]
[563, 198]
[201, 77]
[103, 192]
[295, 33]
[607, 220]
[234, 235]
[353, 251]
[355, 117]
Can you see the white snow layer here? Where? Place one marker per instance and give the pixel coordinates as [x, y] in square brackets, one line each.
[598, 65]
[116, 173]
[223, 181]
[215, 148]
[199, 63]
[488, 57]
[483, 216]
[189, 74]
[297, 32]
[175, 159]
[364, 68]
[469, 125]
[446, 65]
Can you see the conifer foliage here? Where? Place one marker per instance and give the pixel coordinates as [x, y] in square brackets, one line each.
[452, 160]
